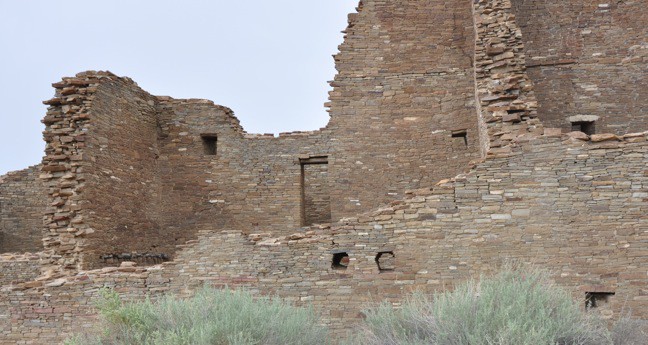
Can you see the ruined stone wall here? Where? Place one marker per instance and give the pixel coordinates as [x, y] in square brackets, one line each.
[22, 204]
[122, 181]
[588, 60]
[68, 307]
[404, 86]
[99, 170]
[64, 170]
[576, 208]
[250, 181]
[406, 91]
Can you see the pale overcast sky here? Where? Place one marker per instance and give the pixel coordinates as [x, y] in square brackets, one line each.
[267, 60]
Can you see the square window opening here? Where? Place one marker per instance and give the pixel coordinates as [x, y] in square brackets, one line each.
[209, 144]
[386, 261]
[461, 135]
[597, 299]
[340, 261]
[587, 127]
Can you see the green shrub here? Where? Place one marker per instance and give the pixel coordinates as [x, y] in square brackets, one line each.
[514, 307]
[211, 317]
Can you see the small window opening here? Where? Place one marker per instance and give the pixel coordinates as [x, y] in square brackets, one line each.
[461, 135]
[209, 143]
[386, 261]
[586, 127]
[597, 299]
[340, 261]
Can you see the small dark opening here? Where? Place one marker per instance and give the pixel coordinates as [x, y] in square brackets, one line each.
[597, 299]
[462, 135]
[209, 143]
[586, 127]
[340, 261]
[385, 261]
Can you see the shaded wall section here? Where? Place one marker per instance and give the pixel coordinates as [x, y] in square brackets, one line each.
[23, 201]
[588, 60]
[404, 84]
[122, 179]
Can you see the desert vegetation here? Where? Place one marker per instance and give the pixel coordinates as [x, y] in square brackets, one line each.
[211, 317]
[514, 307]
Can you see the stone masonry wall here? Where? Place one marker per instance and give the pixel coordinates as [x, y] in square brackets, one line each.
[19, 268]
[423, 88]
[506, 103]
[588, 60]
[575, 207]
[122, 180]
[251, 182]
[22, 204]
[404, 87]
[101, 133]
[63, 170]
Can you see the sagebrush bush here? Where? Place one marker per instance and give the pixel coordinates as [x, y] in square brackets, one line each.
[211, 317]
[628, 331]
[514, 307]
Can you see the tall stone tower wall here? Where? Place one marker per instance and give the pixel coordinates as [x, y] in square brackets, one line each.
[402, 106]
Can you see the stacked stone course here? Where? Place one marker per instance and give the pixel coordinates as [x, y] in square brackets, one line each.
[425, 91]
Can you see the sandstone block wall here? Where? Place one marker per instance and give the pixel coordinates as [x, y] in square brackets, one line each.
[425, 90]
[101, 135]
[404, 86]
[122, 179]
[22, 204]
[18, 268]
[588, 61]
[250, 182]
[402, 117]
[574, 207]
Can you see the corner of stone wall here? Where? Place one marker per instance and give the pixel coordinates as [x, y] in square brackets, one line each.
[66, 125]
[506, 104]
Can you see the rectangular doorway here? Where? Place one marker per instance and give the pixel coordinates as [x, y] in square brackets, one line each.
[315, 191]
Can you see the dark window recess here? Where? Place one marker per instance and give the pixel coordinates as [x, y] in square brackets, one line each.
[586, 127]
[597, 299]
[461, 135]
[386, 261]
[209, 143]
[340, 261]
